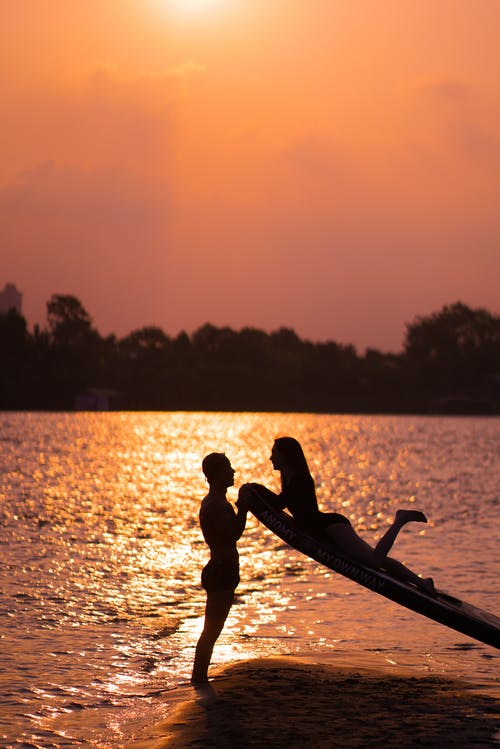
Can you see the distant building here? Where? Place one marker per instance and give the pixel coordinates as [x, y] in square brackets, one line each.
[10, 298]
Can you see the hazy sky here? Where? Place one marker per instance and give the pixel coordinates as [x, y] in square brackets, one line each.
[327, 165]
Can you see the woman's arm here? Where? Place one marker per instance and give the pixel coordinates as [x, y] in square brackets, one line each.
[276, 500]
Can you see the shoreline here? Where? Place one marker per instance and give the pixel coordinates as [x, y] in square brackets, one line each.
[289, 703]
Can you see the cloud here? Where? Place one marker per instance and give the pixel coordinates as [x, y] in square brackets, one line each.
[448, 90]
[92, 120]
[475, 142]
[315, 157]
[85, 201]
[190, 67]
[101, 235]
[465, 120]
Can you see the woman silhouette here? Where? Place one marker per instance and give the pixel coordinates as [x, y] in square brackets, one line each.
[298, 495]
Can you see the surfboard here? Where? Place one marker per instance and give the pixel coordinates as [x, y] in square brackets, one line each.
[441, 607]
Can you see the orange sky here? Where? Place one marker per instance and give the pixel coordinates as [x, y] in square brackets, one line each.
[327, 165]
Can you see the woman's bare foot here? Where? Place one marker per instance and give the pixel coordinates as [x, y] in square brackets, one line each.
[407, 516]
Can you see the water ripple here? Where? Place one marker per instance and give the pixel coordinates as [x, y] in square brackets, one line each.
[100, 553]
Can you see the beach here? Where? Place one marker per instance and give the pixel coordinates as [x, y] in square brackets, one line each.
[279, 702]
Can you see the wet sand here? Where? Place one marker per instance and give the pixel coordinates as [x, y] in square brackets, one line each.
[288, 703]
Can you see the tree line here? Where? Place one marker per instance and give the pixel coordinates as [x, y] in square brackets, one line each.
[450, 363]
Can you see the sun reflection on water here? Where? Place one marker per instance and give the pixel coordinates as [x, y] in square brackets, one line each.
[101, 550]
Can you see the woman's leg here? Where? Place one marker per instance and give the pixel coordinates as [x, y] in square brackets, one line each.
[218, 605]
[386, 543]
[401, 572]
[348, 542]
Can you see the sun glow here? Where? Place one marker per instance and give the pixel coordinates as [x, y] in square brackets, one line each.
[205, 15]
[195, 7]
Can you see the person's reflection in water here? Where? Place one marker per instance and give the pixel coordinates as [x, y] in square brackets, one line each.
[221, 527]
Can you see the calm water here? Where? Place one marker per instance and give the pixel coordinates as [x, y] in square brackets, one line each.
[100, 557]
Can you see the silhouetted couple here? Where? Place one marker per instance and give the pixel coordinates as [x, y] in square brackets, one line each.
[222, 527]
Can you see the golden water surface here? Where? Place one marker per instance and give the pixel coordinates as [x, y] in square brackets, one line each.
[101, 553]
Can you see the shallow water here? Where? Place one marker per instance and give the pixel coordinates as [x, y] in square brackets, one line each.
[100, 557]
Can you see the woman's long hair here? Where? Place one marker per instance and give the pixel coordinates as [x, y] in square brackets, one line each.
[292, 451]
